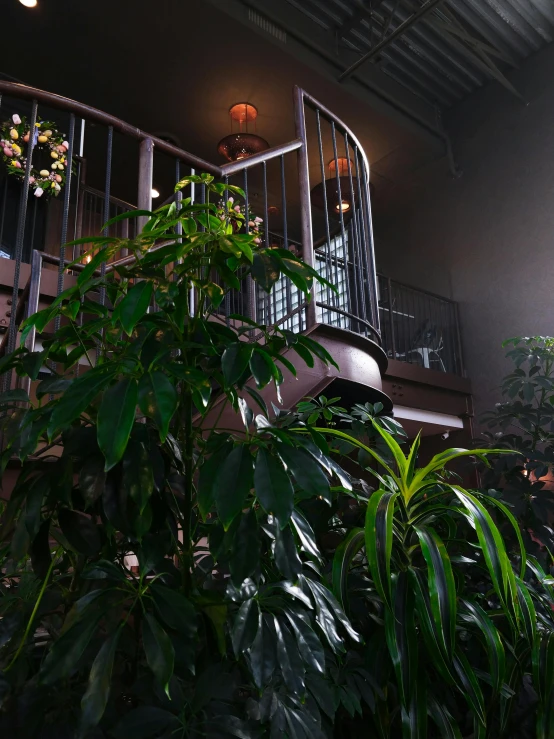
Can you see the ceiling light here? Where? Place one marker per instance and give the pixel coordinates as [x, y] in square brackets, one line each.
[154, 193]
[242, 144]
[29, 3]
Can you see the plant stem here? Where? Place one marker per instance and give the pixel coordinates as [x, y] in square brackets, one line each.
[35, 609]
[189, 472]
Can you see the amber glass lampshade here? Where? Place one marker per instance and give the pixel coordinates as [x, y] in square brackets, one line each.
[243, 143]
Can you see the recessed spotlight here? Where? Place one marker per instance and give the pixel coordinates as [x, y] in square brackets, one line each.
[155, 193]
[29, 3]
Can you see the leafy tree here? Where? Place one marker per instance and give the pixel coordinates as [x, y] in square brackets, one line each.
[292, 579]
[524, 423]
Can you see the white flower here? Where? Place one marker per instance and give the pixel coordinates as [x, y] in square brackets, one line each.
[66, 144]
[57, 187]
[231, 200]
[38, 192]
[16, 119]
[257, 219]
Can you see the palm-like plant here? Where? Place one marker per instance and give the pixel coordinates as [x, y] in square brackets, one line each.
[461, 625]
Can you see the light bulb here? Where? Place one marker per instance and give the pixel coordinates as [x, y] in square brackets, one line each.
[344, 206]
[154, 193]
[29, 3]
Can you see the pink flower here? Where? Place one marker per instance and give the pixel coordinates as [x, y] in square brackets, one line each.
[251, 224]
[237, 208]
[31, 180]
[7, 151]
[257, 219]
[257, 241]
[17, 164]
[16, 119]
[66, 144]
[38, 192]
[231, 200]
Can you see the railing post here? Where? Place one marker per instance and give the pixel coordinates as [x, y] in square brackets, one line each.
[391, 319]
[32, 307]
[305, 204]
[146, 174]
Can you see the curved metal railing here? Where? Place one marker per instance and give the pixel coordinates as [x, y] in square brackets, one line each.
[117, 165]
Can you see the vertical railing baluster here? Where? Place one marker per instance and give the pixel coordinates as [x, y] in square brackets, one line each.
[341, 217]
[357, 247]
[328, 275]
[3, 213]
[146, 178]
[65, 214]
[288, 291]
[305, 204]
[105, 216]
[20, 236]
[392, 342]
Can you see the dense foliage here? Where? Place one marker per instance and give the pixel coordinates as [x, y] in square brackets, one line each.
[524, 423]
[301, 578]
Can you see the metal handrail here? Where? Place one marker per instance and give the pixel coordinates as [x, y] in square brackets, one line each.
[99, 116]
[362, 307]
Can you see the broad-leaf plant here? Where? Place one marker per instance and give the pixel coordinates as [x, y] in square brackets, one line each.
[524, 423]
[166, 576]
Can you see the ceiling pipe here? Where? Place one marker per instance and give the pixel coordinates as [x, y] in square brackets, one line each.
[429, 5]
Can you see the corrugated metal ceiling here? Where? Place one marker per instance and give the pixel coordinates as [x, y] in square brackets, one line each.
[453, 49]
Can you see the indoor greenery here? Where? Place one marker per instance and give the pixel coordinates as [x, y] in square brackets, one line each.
[524, 423]
[301, 578]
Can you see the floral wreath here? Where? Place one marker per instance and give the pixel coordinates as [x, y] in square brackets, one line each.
[14, 138]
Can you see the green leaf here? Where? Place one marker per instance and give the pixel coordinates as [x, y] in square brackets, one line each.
[261, 366]
[81, 533]
[273, 487]
[285, 553]
[67, 650]
[306, 535]
[446, 724]
[176, 610]
[289, 658]
[470, 687]
[115, 419]
[137, 478]
[207, 478]
[264, 271]
[309, 646]
[543, 666]
[234, 361]
[158, 649]
[92, 478]
[493, 643]
[245, 626]
[494, 551]
[158, 400]
[134, 305]
[442, 588]
[245, 555]
[234, 481]
[78, 397]
[344, 554]
[94, 701]
[527, 610]
[308, 474]
[401, 639]
[378, 540]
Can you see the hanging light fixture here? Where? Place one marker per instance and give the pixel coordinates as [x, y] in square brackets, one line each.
[242, 144]
[329, 189]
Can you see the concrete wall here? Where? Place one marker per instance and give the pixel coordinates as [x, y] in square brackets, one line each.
[486, 239]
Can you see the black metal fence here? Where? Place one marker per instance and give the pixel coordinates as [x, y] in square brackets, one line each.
[419, 327]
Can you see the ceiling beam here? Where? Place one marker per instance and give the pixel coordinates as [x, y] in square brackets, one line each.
[315, 46]
[420, 13]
